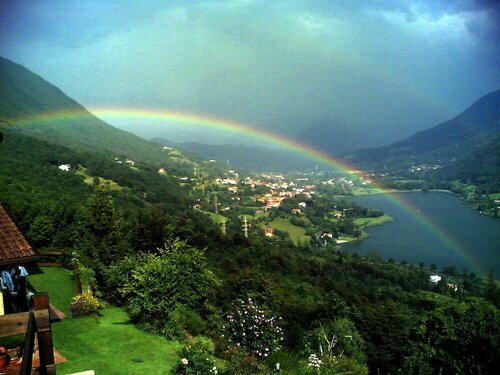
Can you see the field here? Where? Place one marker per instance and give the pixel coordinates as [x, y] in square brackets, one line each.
[357, 191]
[297, 234]
[89, 180]
[365, 222]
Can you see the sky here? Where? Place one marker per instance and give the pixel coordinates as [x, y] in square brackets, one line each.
[381, 69]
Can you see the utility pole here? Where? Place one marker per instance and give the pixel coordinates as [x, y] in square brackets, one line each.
[216, 205]
[208, 197]
[224, 227]
[245, 226]
[344, 210]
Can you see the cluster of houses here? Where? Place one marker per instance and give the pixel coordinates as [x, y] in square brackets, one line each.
[436, 279]
[424, 167]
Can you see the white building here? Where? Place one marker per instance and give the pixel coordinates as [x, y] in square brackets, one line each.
[435, 279]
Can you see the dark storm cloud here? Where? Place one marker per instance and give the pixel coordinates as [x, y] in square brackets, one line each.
[384, 68]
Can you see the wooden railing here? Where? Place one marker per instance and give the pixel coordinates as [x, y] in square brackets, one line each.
[31, 324]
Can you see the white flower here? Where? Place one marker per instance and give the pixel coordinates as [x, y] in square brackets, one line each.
[278, 366]
[184, 361]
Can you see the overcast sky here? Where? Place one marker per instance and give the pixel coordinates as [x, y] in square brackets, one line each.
[386, 68]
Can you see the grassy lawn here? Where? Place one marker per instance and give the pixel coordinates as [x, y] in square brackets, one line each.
[357, 191]
[58, 282]
[217, 219]
[89, 180]
[297, 234]
[109, 344]
[365, 222]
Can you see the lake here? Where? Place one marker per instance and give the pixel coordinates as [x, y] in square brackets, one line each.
[433, 228]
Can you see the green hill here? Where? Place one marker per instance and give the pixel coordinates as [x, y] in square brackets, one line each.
[24, 94]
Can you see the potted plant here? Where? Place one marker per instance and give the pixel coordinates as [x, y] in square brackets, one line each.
[4, 357]
[14, 346]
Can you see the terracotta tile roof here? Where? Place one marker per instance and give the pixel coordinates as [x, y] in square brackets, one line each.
[13, 246]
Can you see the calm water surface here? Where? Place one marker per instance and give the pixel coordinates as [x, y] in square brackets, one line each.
[439, 229]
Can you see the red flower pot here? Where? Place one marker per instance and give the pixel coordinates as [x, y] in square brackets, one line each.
[4, 360]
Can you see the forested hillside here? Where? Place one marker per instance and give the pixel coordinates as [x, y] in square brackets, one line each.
[481, 167]
[25, 95]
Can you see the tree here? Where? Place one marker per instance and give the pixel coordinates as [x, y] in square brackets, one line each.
[175, 275]
[463, 338]
[106, 237]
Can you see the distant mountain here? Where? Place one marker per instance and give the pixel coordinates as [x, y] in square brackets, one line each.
[334, 136]
[23, 94]
[249, 158]
[466, 134]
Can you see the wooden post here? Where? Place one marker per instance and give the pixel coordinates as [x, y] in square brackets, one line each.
[29, 344]
[45, 344]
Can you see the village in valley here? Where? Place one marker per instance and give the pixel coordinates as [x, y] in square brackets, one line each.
[306, 208]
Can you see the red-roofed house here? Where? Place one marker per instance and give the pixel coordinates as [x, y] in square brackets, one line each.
[14, 248]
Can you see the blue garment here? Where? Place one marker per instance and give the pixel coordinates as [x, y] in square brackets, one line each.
[7, 280]
[23, 271]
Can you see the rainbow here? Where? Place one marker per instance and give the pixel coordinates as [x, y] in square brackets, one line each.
[175, 117]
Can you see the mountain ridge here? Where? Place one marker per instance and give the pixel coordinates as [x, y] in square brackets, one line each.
[470, 130]
[25, 94]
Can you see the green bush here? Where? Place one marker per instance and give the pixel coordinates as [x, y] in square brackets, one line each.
[177, 275]
[184, 322]
[196, 358]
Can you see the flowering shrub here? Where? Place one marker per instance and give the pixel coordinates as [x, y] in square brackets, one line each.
[85, 304]
[314, 361]
[253, 328]
[239, 362]
[197, 358]
[330, 365]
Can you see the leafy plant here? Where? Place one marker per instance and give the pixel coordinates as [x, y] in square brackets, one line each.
[85, 304]
[196, 358]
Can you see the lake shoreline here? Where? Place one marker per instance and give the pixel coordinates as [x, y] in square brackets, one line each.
[396, 191]
[366, 222]
[439, 229]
